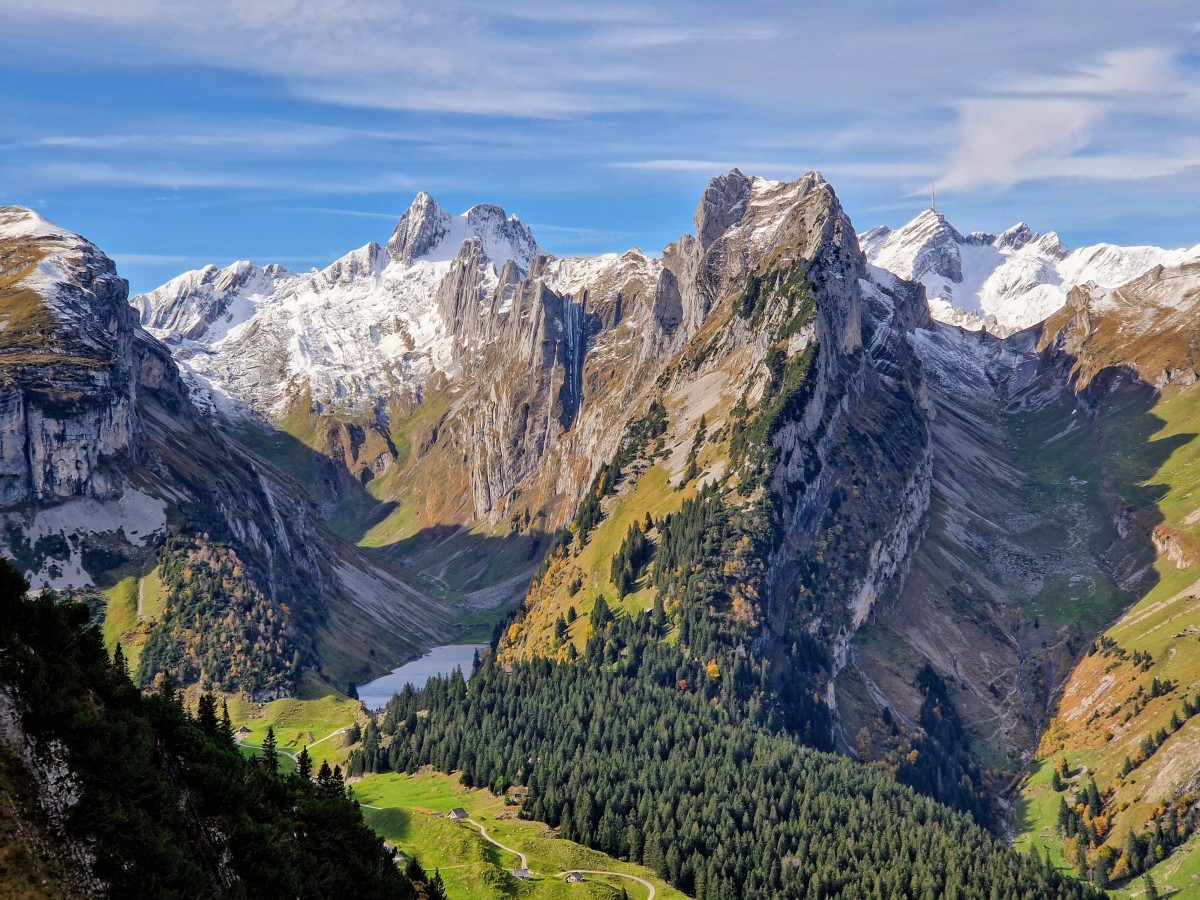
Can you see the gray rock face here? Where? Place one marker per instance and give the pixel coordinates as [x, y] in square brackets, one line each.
[1015, 238]
[420, 230]
[939, 252]
[67, 423]
[722, 206]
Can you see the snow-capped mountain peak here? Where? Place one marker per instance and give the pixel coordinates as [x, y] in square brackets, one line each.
[1003, 283]
[1015, 238]
[210, 301]
[420, 230]
[369, 323]
[428, 233]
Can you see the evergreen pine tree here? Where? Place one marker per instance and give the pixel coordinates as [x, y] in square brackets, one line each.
[1151, 892]
[601, 614]
[436, 889]
[226, 723]
[206, 714]
[268, 746]
[414, 871]
[164, 686]
[304, 765]
[120, 666]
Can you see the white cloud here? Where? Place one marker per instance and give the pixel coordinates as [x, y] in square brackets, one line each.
[999, 140]
[351, 213]
[158, 259]
[268, 138]
[1080, 124]
[686, 165]
[179, 178]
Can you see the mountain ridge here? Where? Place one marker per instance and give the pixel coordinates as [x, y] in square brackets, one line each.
[1004, 283]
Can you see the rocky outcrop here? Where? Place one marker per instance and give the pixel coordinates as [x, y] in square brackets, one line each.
[420, 230]
[861, 447]
[723, 206]
[68, 378]
[55, 792]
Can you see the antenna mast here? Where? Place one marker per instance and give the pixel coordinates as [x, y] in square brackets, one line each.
[932, 196]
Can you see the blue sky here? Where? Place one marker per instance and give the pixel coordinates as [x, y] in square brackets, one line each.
[174, 134]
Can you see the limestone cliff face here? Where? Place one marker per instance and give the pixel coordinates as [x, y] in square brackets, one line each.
[784, 369]
[68, 382]
[856, 465]
[584, 342]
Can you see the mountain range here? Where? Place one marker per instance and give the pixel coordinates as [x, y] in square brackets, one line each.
[1008, 282]
[944, 479]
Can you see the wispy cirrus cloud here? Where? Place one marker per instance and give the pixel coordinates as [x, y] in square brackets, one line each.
[1067, 125]
[181, 178]
[349, 213]
[265, 138]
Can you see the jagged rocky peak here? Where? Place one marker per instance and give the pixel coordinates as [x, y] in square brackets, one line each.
[926, 245]
[420, 230]
[505, 238]
[365, 262]
[190, 304]
[1050, 246]
[1015, 238]
[723, 205]
[428, 232]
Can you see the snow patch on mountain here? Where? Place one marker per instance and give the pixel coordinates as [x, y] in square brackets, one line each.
[69, 271]
[135, 516]
[208, 303]
[1002, 283]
